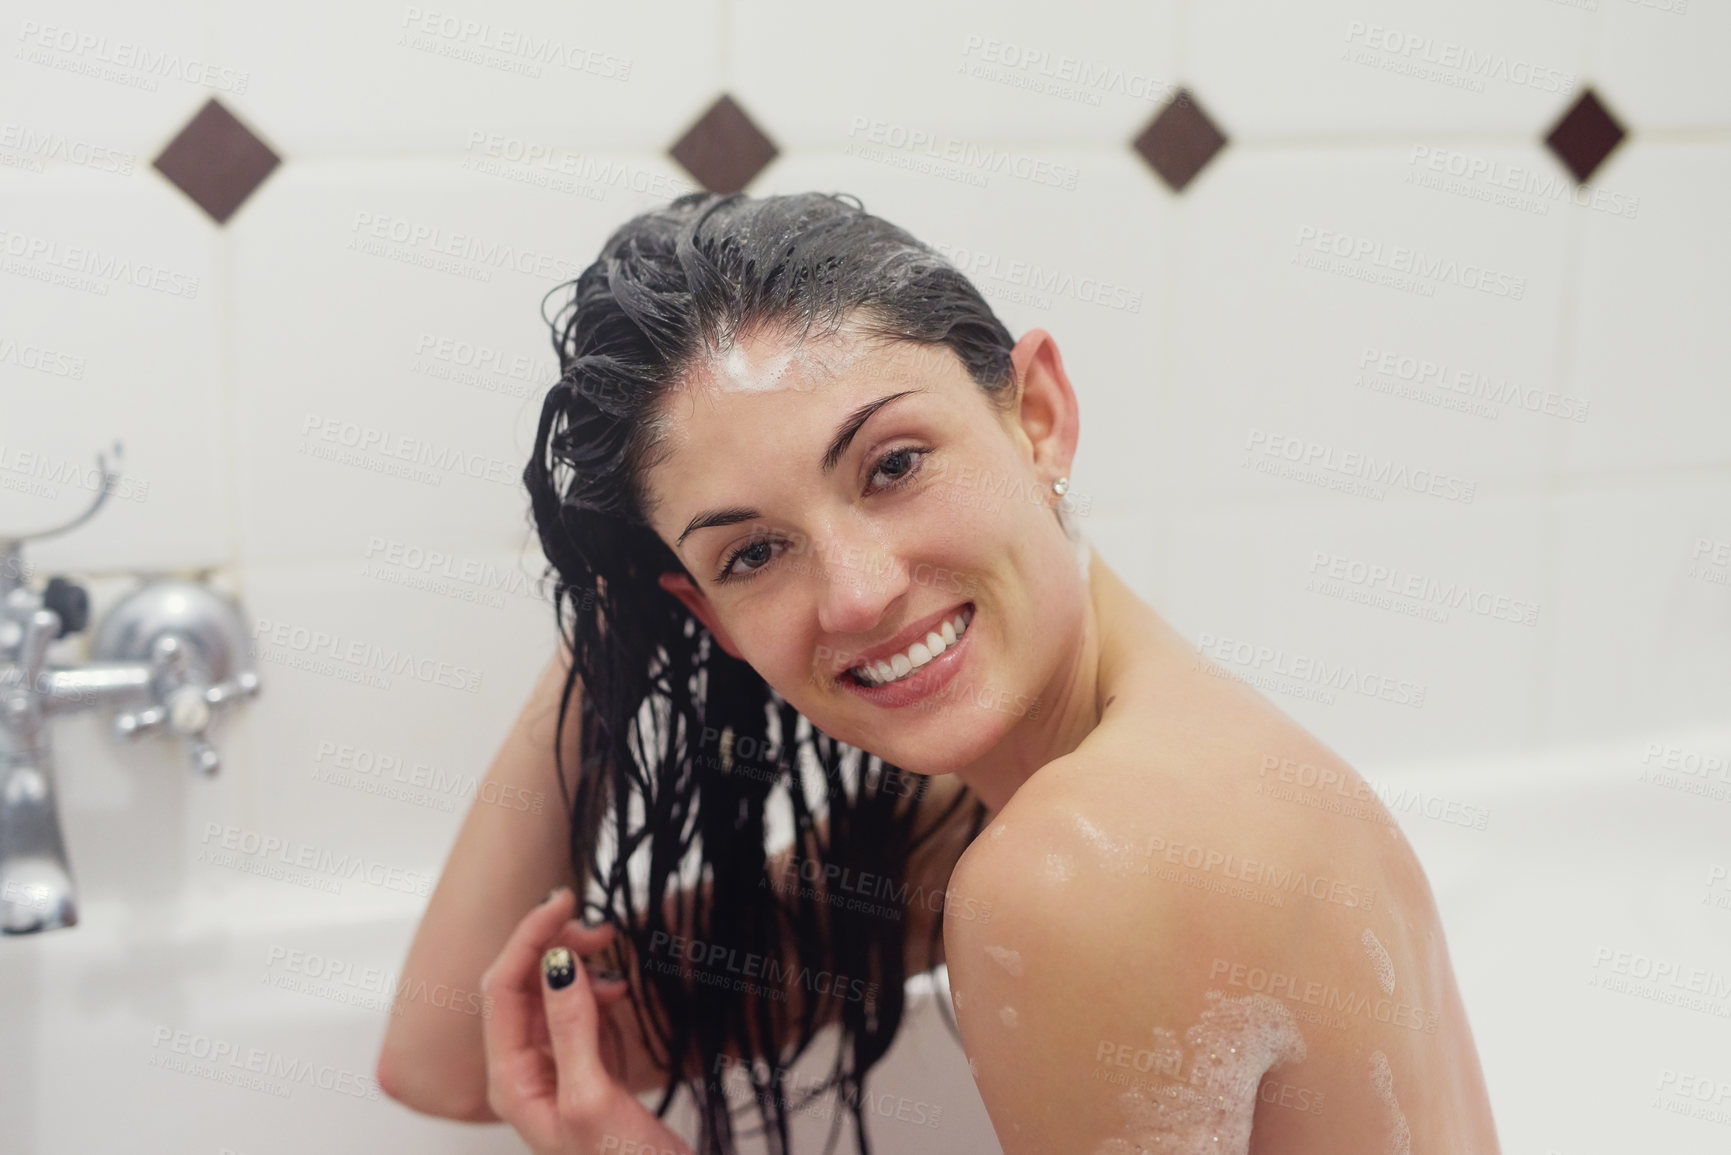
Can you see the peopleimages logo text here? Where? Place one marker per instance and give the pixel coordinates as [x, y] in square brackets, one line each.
[365, 654]
[1467, 62]
[1401, 259]
[318, 859]
[105, 267]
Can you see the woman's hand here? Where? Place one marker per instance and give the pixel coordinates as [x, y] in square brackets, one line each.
[545, 1074]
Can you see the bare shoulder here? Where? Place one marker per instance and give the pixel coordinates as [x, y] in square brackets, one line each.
[1203, 921]
[1084, 999]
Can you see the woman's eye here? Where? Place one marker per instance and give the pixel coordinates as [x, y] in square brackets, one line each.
[900, 465]
[756, 553]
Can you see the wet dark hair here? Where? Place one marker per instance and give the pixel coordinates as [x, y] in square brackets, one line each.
[665, 713]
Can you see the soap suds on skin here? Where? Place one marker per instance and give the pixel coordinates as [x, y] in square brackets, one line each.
[1120, 855]
[1168, 1054]
[1060, 867]
[1236, 1042]
[742, 375]
[1010, 960]
[812, 364]
[1382, 1078]
[1380, 960]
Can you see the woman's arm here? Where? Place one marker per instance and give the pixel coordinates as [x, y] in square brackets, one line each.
[505, 860]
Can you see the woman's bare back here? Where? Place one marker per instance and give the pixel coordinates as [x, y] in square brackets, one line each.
[1206, 907]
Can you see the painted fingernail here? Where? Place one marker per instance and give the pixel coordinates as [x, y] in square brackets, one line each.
[606, 976]
[558, 968]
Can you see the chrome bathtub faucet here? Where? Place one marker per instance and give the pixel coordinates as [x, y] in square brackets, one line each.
[167, 656]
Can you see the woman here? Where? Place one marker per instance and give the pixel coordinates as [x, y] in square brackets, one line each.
[803, 494]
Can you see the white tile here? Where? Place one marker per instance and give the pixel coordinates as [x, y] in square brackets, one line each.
[1643, 610]
[1445, 604]
[412, 78]
[1129, 542]
[114, 285]
[383, 702]
[343, 338]
[950, 76]
[1285, 353]
[1650, 343]
[1662, 63]
[1348, 66]
[86, 82]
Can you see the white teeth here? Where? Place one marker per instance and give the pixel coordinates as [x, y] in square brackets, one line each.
[901, 665]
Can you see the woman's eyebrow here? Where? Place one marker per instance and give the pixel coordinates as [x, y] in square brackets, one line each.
[714, 517]
[844, 436]
[851, 425]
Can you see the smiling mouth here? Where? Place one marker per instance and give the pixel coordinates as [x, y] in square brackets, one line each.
[905, 665]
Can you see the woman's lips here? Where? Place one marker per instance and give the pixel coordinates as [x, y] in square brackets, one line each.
[924, 682]
[919, 631]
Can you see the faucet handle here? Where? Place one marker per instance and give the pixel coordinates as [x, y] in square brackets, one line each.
[191, 707]
[186, 706]
[202, 756]
[195, 646]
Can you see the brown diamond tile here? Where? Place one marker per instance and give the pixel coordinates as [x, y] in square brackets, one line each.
[1180, 141]
[217, 161]
[1585, 136]
[724, 150]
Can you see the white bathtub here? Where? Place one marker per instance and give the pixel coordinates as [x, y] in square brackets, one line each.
[1580, 870]
[194, 1025]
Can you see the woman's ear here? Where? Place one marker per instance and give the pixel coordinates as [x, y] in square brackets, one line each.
[680, 587]
[1048, 414]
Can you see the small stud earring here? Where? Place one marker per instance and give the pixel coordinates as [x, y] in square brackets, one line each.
[1061, 486]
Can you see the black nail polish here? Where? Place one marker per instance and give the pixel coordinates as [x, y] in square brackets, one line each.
[606, 975]
[558, 968]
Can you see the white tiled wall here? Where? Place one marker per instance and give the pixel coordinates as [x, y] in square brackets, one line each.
[233, 397]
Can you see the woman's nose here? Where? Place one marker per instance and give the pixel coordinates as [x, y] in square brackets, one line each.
[858, 584]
